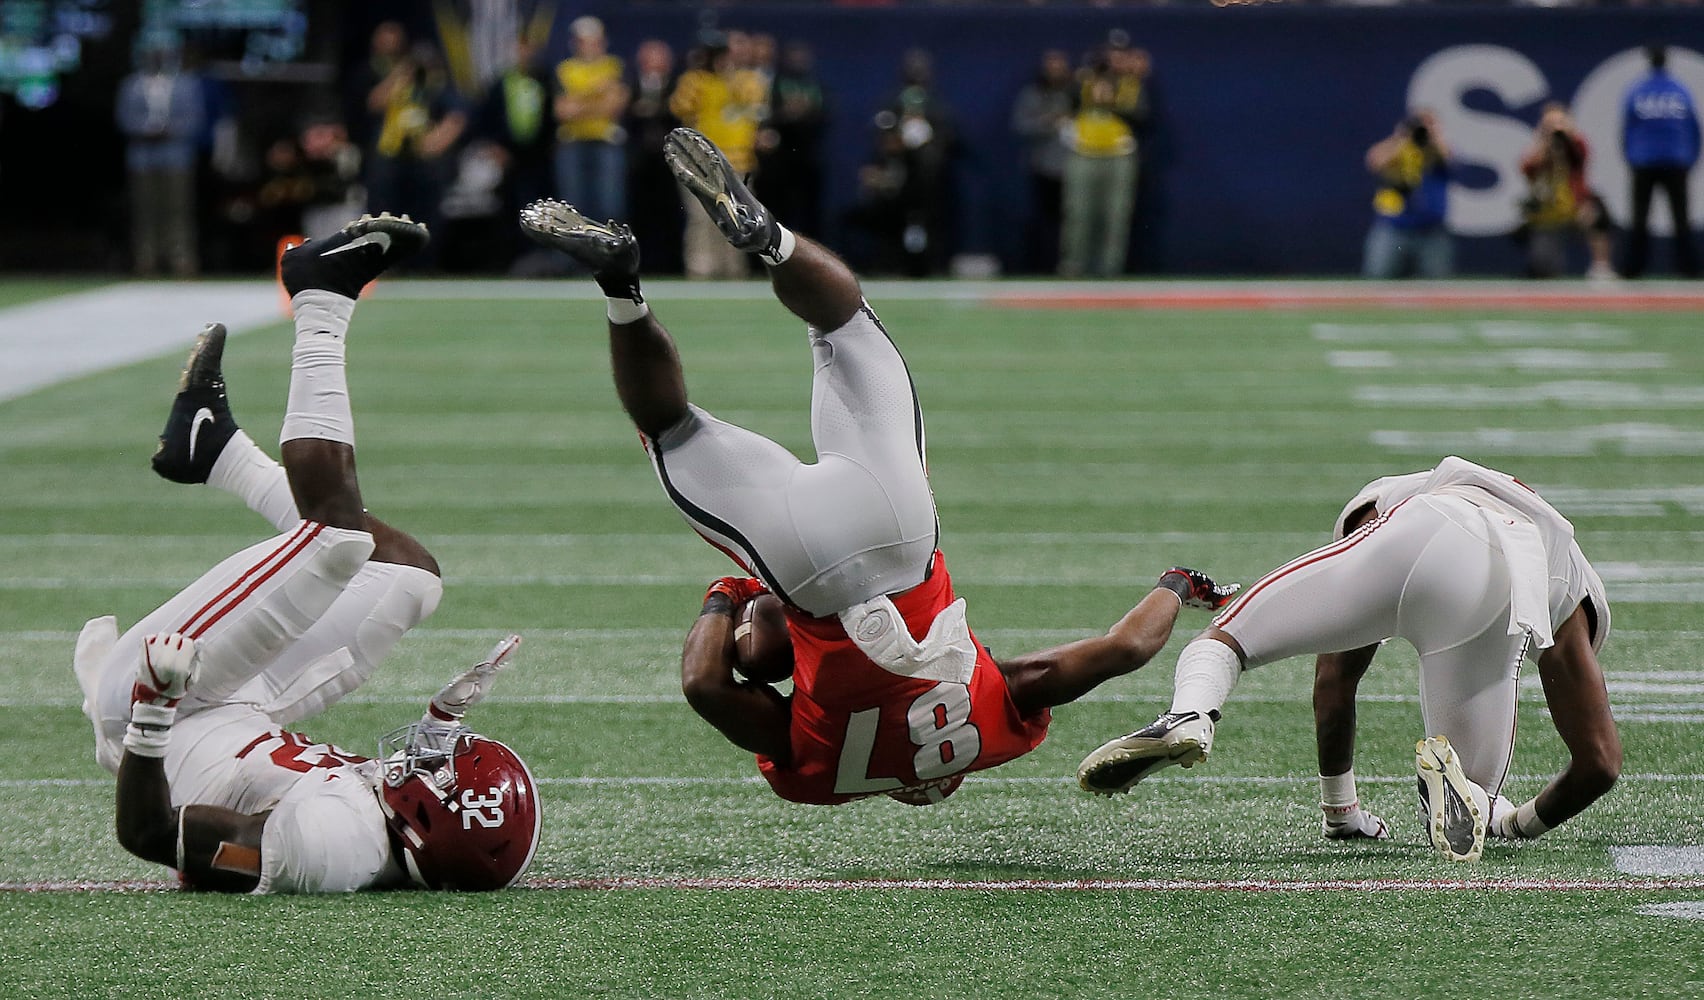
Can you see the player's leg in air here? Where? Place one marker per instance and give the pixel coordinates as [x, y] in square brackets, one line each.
[248, 612]
[833, 538]
[867, 494]
[394, 591]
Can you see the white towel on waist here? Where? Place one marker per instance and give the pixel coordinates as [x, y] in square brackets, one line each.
[1529, 575]
[947, 653]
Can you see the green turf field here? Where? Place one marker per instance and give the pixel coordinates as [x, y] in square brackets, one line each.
[18, 292]
[1074, 455]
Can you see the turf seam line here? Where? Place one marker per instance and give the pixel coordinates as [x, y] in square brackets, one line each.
[653, 883]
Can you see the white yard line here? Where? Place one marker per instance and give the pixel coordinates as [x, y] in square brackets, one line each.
[651, 883]
[52, 340]
[980, 778]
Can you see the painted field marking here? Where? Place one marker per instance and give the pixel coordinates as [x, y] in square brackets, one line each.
[1125, 885]
[653, 883]
[55, 339]
[63, 337]
[979, 778]
[1618, 571]
[1638, 711]
[1490, 331]
[1680, 911]
[1574, 395]
[1631, 439]
[1657, 859]
[427, 632]
[1515, 331]
[1628, 501]
[1531, 359]
[1327, 295]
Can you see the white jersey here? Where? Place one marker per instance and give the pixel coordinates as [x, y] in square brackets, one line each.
[325, 831]
[1517, 517]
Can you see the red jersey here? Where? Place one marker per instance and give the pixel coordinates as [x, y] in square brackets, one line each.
[860, 730]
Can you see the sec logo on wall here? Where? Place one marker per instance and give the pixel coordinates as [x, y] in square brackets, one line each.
[1489, 143]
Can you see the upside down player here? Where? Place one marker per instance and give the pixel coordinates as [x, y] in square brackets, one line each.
[1479, 573]
[892, 693]
[189, 707]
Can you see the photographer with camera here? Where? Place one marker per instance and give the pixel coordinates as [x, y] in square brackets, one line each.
[415, 120]
[1559, 202]
[1408, 236]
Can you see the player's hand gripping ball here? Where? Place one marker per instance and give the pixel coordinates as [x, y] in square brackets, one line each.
[763, 649]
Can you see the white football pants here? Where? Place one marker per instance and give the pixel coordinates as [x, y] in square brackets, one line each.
[289, 625]
[1429, 573]
[858, 523]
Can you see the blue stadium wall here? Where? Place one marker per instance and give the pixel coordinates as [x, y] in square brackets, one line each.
[1262, 114]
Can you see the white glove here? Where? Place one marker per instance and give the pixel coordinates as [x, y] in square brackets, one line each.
[1353, 823]
[169, 662]
[453, 701]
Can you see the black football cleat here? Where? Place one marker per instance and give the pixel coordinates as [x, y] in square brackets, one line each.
[344, 263]
[1202, 593]
[604, 248]
[200, 423]
[607, 249]
[703, 170]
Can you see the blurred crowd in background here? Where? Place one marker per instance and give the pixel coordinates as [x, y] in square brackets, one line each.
[405, 136]
[459, 123]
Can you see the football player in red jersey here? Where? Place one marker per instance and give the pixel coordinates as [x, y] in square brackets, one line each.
[892, 693]
[190, 706]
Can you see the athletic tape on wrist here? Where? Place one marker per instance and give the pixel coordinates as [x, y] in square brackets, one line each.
[147, 741]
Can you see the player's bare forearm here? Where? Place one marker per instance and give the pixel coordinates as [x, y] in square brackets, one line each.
[1578, 700]
[217, 849]
[146, 822]
[753, 716]
[1065, 673]
[1337, 678]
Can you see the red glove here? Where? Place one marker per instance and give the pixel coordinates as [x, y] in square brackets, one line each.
[738, 589]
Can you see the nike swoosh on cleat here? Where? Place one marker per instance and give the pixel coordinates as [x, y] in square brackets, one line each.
[380, 240]
[202, 416]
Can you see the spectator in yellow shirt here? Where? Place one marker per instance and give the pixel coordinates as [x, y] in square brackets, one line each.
[1099, 185]
[726, 101]
[591, 97]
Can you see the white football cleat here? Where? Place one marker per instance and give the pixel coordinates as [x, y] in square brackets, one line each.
[1455, 807]
[1181, 738]
[1352, 824]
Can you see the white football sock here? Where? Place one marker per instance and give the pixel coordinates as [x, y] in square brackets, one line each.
[625, 310]
[784, 246]
[1337, 793]
[318, 406]
[249, 474]
[1207, 669]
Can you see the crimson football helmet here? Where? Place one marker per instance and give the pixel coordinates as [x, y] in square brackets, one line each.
[464, 808]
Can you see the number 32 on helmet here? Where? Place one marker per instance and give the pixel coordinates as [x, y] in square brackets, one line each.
[464, 809]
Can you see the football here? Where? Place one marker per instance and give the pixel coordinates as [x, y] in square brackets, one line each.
[763, 650]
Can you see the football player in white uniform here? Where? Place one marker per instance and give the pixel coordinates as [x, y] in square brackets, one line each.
[189, 706]
[1479, 573]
